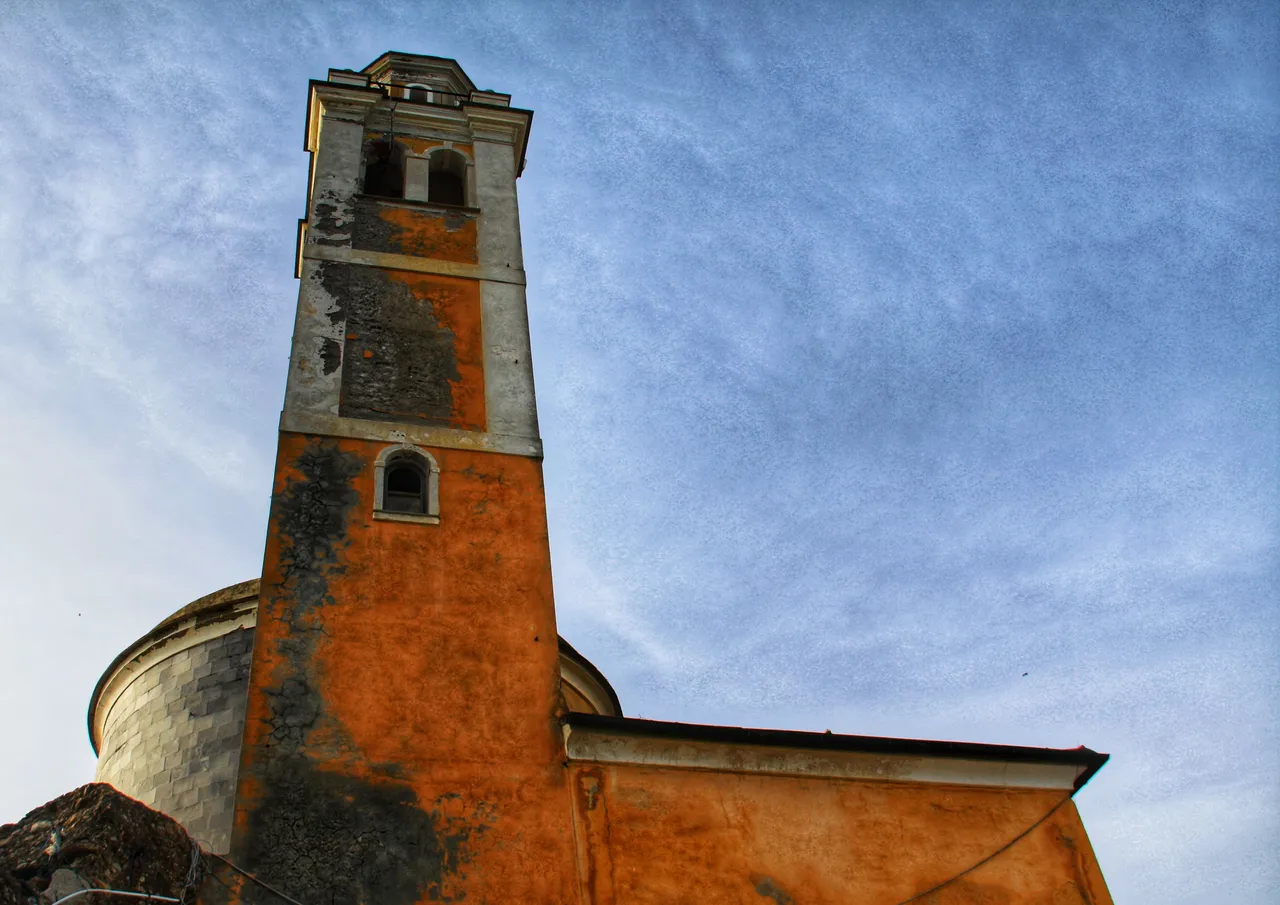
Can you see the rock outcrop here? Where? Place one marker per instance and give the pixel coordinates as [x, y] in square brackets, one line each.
[94, 837]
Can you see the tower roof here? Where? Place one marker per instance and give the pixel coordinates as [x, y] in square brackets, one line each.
[406, 68]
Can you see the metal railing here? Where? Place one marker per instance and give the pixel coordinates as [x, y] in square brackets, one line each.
[420, 94]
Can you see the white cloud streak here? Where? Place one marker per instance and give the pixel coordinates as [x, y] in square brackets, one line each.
[882, 358]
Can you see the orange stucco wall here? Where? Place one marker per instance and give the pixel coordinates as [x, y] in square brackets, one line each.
[402, 726]
[402, 741]
[671, 835]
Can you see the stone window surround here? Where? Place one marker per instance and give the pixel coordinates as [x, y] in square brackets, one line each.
[406, 450]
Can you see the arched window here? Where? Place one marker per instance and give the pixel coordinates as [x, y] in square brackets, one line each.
[419, 93]
[384, 169]
[447, 177]
[406, 489]
[406, 485]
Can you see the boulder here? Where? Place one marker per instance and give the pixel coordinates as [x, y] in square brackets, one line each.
[95, 837]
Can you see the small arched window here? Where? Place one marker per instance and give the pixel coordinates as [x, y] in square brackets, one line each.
[447, 178]
[419, 93]
[384, 169]
[406, 489]
[407, 485]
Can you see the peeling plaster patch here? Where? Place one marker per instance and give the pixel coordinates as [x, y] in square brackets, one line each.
[394, 229]
[331, 219]
[315, 374]
[402, 364]
[331, 355]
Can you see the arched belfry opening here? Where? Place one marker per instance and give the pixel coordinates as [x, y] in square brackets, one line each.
[447, 178]
[384, 169]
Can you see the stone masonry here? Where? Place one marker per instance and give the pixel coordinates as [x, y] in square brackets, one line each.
[172, 740]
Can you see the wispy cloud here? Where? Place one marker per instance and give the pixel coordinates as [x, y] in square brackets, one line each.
[882, 358]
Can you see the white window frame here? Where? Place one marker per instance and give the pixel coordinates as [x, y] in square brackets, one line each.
[408, 91]
[428, 461]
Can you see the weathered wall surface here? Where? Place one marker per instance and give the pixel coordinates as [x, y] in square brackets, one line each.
[172, 737]
[382, 225]
[168, 715]
[413, 347]
[402, 722]
[662, 835]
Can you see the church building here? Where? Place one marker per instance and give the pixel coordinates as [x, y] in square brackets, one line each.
[388, 716]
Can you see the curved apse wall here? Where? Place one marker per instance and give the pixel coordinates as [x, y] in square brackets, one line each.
[166, 717]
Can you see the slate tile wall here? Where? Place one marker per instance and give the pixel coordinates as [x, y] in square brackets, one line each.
[172, 740]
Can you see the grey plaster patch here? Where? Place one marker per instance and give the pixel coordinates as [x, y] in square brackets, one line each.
[315, 366]
[158, 752]
[399, 360]
[498, 238]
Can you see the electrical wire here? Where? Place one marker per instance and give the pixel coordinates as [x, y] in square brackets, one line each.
[194, 873]
[263, 883]
[1001, 850]
[191, 882]
[150, 897]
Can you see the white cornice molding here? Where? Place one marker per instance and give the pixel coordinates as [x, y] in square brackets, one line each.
[387, 261]
[335, 101]
[398, 432]
[585, 684]
[496, 124]
[605, 746]
[421, 121]
[411, 65]
[187, 633]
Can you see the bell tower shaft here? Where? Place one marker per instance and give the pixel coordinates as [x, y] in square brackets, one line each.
[402, 737]
[475, 145]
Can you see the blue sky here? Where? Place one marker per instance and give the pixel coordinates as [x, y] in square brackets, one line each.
[885, 353]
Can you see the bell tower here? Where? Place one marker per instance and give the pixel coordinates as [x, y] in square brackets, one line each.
[402, 742]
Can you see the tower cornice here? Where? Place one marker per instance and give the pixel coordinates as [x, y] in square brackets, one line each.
[349, 102]
[508, 125]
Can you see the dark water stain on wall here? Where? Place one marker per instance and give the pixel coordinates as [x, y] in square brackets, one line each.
[327, 826]
[339, 838]
[766, 887]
